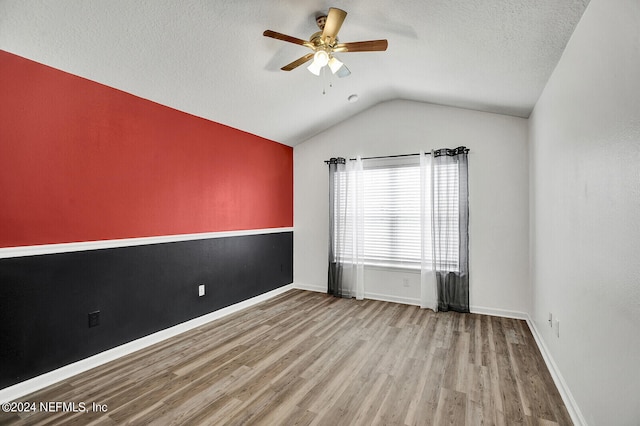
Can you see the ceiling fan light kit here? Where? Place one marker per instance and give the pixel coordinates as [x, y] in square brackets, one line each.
[320, 59]
[335, 64]
[324, 44]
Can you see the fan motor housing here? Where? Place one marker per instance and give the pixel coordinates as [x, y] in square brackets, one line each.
[316, 39]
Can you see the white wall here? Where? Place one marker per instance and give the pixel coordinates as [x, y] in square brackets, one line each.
[585, 213]
[498, 199]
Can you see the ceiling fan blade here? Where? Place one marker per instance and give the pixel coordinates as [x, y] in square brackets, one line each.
[298, 62]
[362, 46]
[335, 18]
[284, 37]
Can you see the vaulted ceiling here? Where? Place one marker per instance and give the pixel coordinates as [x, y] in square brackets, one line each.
[209, 57]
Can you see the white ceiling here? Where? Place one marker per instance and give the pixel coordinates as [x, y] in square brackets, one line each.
[209, 58]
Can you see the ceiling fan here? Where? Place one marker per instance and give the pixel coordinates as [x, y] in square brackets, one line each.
[324, 44]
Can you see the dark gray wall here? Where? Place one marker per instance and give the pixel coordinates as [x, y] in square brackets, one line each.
[45, 300]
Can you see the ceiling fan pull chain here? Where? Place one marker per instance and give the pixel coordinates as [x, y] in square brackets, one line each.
[324, 81]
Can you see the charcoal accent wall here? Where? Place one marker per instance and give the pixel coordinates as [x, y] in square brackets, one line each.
[45, 300]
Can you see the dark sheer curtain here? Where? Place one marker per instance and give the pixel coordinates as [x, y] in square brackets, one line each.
[451, 228]
[335, 273]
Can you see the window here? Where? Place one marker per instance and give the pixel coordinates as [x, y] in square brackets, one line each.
[391, 214]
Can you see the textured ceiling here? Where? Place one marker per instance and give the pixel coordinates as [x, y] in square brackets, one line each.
[209, 58]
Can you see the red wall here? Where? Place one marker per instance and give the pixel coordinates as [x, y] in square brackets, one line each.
[80, 161]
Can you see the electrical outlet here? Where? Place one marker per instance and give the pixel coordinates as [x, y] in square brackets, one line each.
[94, 319]
[550, 319]
[405, 282]
[201, 290]
[557, 328]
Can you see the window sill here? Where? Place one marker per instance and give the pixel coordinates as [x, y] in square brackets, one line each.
[392, 267]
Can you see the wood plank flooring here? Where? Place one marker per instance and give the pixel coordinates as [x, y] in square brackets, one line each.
[306, 358]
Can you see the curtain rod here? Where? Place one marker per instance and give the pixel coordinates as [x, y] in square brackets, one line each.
[437, 152]
[389, 156]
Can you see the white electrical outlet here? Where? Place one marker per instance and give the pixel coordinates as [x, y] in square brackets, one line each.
[557, 328]
[201, 290]
[405, 282]
[550, 319]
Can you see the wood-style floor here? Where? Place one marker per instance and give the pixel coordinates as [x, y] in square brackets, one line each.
[307, 358]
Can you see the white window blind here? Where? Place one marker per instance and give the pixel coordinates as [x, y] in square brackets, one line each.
[392, 216]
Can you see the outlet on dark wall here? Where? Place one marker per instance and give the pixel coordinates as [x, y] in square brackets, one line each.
[94, 319]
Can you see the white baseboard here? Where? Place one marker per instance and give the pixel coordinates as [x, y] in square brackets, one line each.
[571, 404]
[412, 301]
[498, 312]
[373, 296]
[392, 298]
[11, 393]
[310, 287]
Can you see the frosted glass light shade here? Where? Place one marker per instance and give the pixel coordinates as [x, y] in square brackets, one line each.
[314, 68]
[320, 59]
[335, 65]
